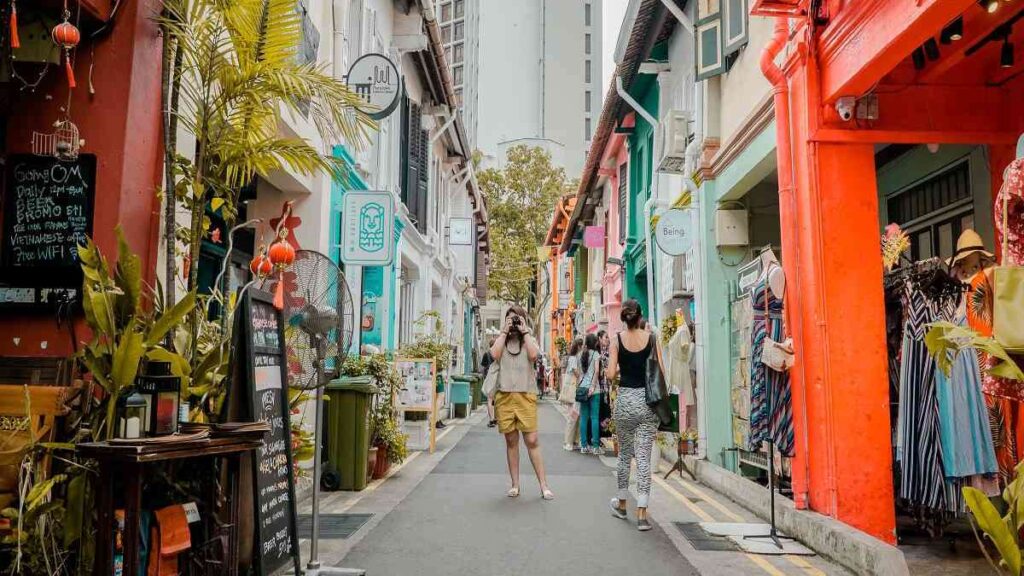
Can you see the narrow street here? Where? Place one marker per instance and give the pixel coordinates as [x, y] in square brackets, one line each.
[457, 520]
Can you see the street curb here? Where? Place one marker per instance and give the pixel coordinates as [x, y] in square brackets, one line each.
[843, 544]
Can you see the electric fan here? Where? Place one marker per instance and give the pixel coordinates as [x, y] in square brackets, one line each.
[319, 319]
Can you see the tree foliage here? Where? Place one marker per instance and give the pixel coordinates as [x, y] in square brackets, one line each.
[520, 198]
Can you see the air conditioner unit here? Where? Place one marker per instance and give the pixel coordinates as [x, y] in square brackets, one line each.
[673, 135]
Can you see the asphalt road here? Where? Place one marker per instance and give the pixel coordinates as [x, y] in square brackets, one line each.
[459, 521]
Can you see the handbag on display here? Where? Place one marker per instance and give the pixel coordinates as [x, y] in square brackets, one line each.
[656, 391]
[778, 356]
[583, 390]
[1008, 280]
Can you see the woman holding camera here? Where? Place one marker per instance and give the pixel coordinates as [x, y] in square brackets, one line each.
[515, 400]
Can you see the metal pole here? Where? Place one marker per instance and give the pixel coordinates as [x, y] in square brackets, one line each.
[314, 559]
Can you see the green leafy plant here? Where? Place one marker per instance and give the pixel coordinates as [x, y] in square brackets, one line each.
[1002, 530]
[562, 345]
[430, 342]
[125, 331]
[384, 426]
[945, 338]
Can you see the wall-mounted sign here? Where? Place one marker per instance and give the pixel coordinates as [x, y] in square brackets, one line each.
[460, 231]
[593, 237]
[374, 78]
[367, 228]
[674, 233]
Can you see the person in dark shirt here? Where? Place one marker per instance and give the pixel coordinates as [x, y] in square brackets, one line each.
[485, 363]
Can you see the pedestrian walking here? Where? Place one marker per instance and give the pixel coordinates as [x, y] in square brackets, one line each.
[635, 423]
[515, 397]
[541, 372]
[567, 394]
[589, 393]
[485, 363]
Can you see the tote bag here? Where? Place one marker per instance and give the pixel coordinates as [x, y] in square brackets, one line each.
[567, 393]
[656, 391]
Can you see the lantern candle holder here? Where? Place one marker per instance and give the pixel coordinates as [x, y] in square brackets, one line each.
[133, 417]
[162, 392]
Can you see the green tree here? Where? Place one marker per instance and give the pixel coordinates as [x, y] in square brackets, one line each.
[520, 198]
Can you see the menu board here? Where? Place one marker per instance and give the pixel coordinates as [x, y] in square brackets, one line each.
[276, 543]
[418, 386]
[48, 212]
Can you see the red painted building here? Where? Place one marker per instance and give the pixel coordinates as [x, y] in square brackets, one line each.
[909, 80]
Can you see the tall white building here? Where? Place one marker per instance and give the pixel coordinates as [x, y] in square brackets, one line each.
[542, 82]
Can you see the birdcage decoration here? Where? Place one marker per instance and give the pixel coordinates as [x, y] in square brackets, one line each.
[64, 142]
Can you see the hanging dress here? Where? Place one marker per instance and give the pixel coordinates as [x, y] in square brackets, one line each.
[769, 415]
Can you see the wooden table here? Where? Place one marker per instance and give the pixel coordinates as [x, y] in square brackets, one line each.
[127, 462]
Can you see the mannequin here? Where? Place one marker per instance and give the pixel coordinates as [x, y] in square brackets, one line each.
[776, 276]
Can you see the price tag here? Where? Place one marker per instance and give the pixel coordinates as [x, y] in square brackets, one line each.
[191, 512]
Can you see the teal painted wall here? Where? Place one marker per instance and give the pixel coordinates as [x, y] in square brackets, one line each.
[718, 278]
[641, 149]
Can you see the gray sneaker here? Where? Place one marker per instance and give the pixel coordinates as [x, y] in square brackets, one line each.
[585, 450]
[616, 511]
[643, 525]
[598, 451]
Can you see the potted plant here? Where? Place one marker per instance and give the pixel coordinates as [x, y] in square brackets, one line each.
[387, 442]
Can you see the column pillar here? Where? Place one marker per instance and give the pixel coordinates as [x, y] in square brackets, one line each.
[836, 311]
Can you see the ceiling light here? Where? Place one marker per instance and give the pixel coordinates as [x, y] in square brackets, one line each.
[990, 6]
[1006, 55]
[918, 57]
[931, 49]
[953, 31]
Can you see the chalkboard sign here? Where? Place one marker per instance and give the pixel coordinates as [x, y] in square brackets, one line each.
[48, 212]
[277, 543]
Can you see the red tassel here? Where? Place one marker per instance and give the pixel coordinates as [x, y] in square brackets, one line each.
[70, 71]
[279, 293]
[15, 41]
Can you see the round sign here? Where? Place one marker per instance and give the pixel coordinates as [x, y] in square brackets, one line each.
[374, 78]
[673, 232]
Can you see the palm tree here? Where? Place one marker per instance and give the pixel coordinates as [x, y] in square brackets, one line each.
[238, 71]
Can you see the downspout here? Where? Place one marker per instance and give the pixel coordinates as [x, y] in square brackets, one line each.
[784, 161]
[338, 16]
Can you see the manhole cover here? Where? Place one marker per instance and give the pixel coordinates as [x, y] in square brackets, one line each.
[333, 526]
[701, 540]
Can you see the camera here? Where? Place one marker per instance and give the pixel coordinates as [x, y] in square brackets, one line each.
[517, 324]
[845, 107]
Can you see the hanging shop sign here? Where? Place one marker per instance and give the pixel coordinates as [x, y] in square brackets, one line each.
[368, 228]
[593, 237]
[266, 393]
[375, 79]
[460, 231]
[674, 233]
[48, 212]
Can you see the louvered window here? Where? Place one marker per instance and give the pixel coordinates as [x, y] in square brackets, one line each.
[415, 157]
[623, 198]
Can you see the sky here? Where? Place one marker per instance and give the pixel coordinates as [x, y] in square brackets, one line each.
[613, 13]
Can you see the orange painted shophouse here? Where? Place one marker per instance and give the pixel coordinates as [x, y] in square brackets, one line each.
[861, 87]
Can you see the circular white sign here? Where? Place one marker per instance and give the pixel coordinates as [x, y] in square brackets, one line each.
[374, 78]
[673, 232]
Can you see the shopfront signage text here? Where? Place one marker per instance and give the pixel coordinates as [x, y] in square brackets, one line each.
[375, 79]
[674, 233]
[367, 228]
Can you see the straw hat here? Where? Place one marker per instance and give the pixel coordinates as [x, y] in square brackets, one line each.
[969, 243]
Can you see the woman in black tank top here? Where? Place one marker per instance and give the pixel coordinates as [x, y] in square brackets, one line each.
[635, 423]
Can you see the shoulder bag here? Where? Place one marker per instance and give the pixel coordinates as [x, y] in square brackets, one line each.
[567, 393]
[656, 391]
[778, 356]
[583, 390]
[490, 385]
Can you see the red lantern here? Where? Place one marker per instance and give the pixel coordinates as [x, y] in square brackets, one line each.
[261, 266]
[15, 40]
[282, 253]
[67, 37]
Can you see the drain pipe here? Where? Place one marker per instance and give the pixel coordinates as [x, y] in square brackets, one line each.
[338, 16]
[784, 161]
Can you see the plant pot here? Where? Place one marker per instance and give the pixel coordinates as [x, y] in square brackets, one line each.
[382, 465]
[371, 462]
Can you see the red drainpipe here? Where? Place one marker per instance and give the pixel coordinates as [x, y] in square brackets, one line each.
[784, 162]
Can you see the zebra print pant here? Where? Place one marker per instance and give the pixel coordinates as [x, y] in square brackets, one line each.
[635, 427]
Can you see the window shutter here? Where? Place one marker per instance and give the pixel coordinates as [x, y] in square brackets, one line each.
[734, 20]
[410, 191]
[405, 150]
[710, 59]
[623, 198]
[422, 187]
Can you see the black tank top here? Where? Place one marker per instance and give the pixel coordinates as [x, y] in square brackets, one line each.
[633, 365]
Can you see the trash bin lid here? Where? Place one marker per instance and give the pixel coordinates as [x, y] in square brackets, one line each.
[462, 377]
[360, 384]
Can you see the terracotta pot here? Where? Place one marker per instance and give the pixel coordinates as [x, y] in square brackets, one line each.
[382, 466]
[371, 462]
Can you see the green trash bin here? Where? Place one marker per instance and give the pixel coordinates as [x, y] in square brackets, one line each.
[477, 385]
[347, 430]
[461, 394]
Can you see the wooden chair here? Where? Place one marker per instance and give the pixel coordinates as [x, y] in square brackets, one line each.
[27, 414]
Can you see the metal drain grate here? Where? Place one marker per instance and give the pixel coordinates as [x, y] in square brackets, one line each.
[704, 542]
[333, 526]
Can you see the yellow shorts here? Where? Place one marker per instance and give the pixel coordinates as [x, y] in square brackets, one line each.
[516, 411]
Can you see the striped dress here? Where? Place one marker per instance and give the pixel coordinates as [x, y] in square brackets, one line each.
[768, 414]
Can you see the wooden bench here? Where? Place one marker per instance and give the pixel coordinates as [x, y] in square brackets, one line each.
[27, 414]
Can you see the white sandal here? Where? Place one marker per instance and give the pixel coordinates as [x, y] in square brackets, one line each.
[547, 494]
[513, 492]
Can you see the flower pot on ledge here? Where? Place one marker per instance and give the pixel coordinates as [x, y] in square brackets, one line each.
[382, 465]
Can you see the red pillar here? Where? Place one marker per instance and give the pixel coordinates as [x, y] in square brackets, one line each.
[831, 251]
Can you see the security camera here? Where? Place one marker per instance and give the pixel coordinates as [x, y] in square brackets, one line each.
[845, 107]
